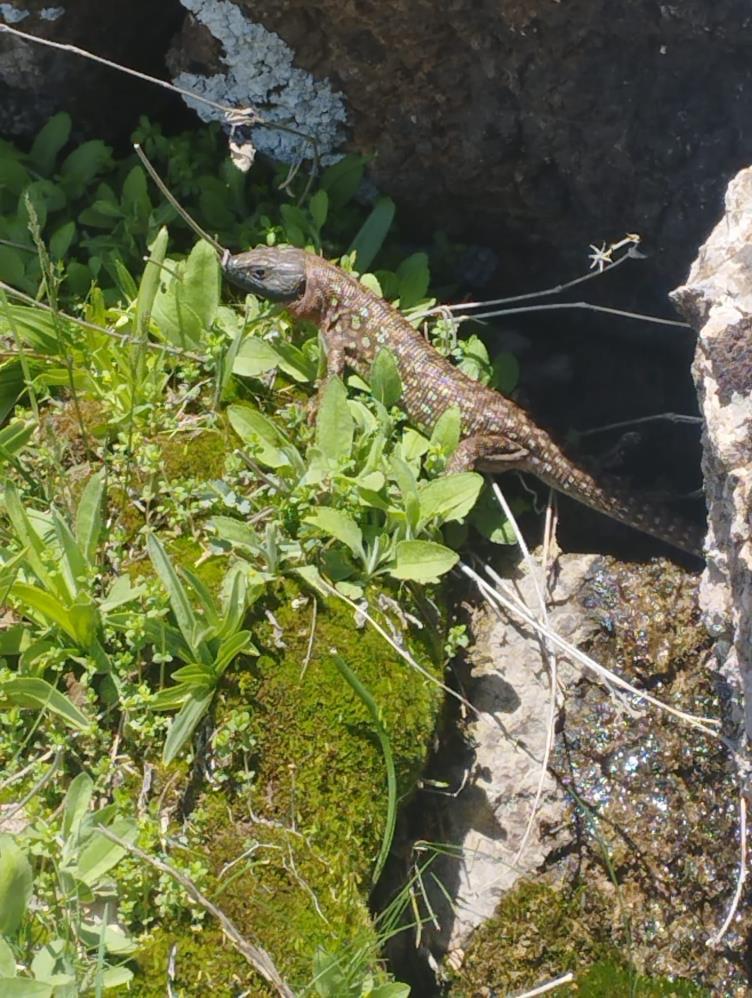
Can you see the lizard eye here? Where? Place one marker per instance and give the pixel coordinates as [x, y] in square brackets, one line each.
[258, 273]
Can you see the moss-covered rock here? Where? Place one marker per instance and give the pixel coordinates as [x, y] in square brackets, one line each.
[294, 822]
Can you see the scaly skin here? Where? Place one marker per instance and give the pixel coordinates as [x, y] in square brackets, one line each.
[496, 434]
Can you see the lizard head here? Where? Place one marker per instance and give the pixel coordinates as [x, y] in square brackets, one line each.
[277, 273]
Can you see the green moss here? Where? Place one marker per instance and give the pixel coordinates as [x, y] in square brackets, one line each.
[292, 853]
[200, 456]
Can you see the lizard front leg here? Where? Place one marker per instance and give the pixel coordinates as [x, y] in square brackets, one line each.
[487, 452]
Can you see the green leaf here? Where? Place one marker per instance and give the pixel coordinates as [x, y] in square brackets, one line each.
[15, 885]
[11, 382]
[115, 940]
[386, 383]
[24, 987]
[116, 977]
[100, 854]
[230, 649]
[89, 519]
[236, 532]
[44, 605]
[76, 803]
[342, 179]
[413, 279]
[14, 437]
[255, 357]
[339, 525]
[83, 165]
[147, 289]
[319, 207]
[26, 534]
[404, 476]
[73, 563]
[61, 239]
[490, 520]
[372, 233]
[12, 265]
[422, 561]
[334, 424]
[183, 724]
[181, 607]
[202, 284]
[447, 430]
[35, 692]
[449, 498]
[506, 372]
[392, 990]
[7, 960]
[475, 362]
[49, 141]
[260, 433]
[13, 177]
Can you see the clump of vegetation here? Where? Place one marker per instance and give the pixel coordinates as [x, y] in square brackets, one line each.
[192, 689]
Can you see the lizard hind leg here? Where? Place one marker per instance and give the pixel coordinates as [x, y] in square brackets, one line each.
[487, 452]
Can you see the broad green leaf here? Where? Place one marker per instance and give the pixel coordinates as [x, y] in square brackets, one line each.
[195, 674]
[11, 380]
[15, 885]
[255, 429]
[121, 591]
[43, 606]
[371, 282]
[328, 975]
[334, 424]
[490, 520]
[413, 278]
[506, 372]
[13, 177]
[339, 525]
[391, 990]
[342, 179]
[407, 483]
[100, 854]
[24, 987]
[202, 284]
[35, 692]
[386, 383]
[449, 498]
[76, 803]
[84, 618]
[7, 960]
[447, 430]
[89, 516]
[14, 437]
[422, 561]
[147, 290]
[12, 266]
[372, 233]
[61, 239]
[236, 533]
[475, 362]
[49, 141]
[116, 977]
[83, 165]
[255, 357]
[319, 207]
[413, 445]
[181, 607]
[115, 940]
[231, 648]
[183, 724]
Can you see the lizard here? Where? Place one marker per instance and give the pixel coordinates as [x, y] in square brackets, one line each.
[496, 434]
